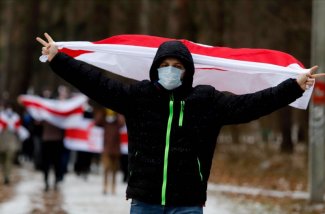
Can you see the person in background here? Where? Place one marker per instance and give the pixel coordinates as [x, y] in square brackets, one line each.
[63, 94]
[9, 140]
[28, 145]
[36, 136]
[82, 165]
[110, 157]
[52, 152]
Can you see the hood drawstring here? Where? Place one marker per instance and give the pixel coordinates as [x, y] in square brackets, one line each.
[181, 114]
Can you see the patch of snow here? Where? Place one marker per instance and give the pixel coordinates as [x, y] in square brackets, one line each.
[258, 191]
[221, 204]
[80, 196]
[24, 192]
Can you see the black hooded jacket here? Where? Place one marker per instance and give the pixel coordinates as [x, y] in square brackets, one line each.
[172, 134]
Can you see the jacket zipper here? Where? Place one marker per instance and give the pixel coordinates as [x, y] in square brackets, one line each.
[169, 126]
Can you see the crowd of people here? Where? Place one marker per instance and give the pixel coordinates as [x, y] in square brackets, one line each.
[44, 146]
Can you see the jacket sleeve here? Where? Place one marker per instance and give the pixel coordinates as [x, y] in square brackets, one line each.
[92, 82]
[237, 109]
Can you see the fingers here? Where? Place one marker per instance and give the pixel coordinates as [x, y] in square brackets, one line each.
[309, 83]
[49, 38]
[307, 80]
[313, 69]
[318, 75]
[44, 43]
[45, 50]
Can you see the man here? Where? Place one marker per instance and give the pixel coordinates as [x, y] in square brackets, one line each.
[172, 126]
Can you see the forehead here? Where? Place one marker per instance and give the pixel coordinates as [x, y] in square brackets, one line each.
[171, 60]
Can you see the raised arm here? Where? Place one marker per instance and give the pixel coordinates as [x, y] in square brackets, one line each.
[244, 108]
[87, 78]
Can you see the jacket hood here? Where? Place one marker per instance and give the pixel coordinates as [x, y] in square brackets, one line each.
[178, 50]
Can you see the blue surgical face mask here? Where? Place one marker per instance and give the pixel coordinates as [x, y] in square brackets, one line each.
[170, 77]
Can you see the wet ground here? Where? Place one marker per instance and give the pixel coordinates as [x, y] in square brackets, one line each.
[78, 195]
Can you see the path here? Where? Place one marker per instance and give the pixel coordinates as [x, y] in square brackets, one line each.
[80, 196]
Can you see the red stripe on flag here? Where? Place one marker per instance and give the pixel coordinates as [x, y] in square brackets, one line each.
[124, 137]
[244, 54]
[78, 110]
[81, 134]
[3, 124]
[135, 40]
[17, 124]
[73, 53]
[215, 69]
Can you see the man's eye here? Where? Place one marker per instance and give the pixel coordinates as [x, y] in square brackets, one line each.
[179, 67]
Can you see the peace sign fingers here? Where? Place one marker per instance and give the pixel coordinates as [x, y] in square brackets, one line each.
[312, 73]
[49, 49]
[49, 38]
[40, 40]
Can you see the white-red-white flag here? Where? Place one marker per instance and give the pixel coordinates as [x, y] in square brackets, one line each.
[61, 113]
[238, 71]
[80, 133]
[12, 122]
[124, 146]
[84, 136]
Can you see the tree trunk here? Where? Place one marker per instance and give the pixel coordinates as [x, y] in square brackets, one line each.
[285, 125]
[7, 19]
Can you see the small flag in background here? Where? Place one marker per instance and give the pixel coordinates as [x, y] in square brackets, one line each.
[12, 122]
[61, 113]
[80, 133]
[84, 136]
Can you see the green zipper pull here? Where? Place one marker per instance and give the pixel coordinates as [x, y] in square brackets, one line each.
[181, 114]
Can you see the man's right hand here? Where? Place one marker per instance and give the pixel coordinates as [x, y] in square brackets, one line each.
[49, 48]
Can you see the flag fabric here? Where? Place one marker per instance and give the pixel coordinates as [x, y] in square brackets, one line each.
[124, 146]
[239, 71]
[80, 133]
[12, 122]
[84, 136]
[61, 113]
